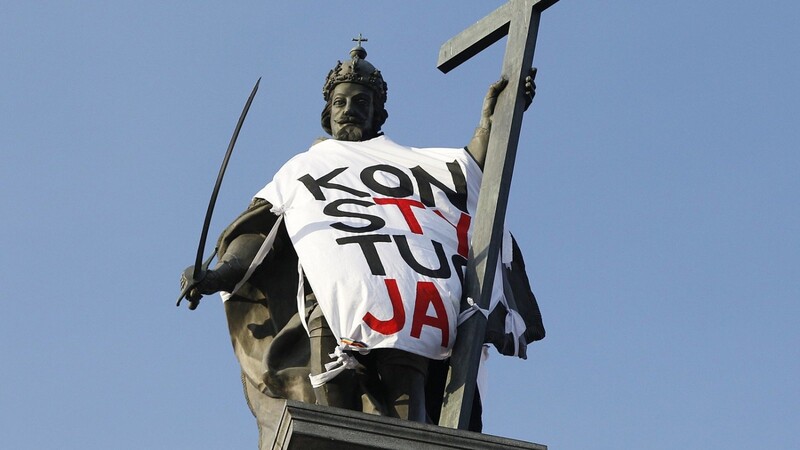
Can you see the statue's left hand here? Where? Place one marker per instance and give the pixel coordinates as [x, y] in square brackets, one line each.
[480, 140]
[490, 101]
[530, 87]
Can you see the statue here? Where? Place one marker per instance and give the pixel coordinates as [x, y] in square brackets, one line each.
[281, 304]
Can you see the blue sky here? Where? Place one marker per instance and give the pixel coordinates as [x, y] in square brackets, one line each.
[655, 198]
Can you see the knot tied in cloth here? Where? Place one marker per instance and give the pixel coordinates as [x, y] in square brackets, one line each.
[342, 361]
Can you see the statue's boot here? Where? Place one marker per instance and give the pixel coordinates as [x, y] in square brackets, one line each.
[402, 377]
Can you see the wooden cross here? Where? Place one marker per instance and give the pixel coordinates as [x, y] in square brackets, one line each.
[519, 19]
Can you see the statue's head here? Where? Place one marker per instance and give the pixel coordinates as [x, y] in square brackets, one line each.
[355, 95]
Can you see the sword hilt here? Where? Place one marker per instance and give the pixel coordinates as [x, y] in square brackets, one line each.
[197, 277]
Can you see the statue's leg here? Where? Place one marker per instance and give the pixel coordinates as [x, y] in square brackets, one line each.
[403, 377]
[342, 390]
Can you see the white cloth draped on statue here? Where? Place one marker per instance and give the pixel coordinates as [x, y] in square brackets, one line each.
[382, 233]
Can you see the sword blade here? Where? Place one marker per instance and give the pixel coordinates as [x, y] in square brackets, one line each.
[210, 211]
[199, 265]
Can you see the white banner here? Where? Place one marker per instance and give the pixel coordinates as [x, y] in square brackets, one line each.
[382, 232]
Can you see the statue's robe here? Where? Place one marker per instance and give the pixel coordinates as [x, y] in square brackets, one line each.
[272, 345]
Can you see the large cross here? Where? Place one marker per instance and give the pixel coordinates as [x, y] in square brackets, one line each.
[519, 19]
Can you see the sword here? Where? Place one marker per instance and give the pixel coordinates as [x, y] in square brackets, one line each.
[199, 265]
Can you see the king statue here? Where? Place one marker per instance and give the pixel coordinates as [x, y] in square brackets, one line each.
[343, 280]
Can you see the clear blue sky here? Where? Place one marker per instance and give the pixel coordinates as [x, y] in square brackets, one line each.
[655, 198]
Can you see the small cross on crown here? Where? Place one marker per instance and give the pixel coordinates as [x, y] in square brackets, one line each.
[360, 39]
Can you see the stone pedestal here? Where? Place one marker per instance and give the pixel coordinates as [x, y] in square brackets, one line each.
[309, 427]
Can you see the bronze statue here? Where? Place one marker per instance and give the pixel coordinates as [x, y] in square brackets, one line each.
[279, 347]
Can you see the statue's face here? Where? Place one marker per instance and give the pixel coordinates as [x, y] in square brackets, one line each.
[352, 112]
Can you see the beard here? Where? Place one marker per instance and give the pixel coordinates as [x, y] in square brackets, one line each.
[350, 133]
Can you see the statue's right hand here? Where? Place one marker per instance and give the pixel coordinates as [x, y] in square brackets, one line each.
[191, 288]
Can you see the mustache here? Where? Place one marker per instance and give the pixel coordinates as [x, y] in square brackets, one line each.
[349, 120]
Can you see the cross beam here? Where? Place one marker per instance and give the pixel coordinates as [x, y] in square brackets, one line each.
[519, 19]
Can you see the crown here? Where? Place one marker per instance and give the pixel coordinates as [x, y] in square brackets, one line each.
[357, 70]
